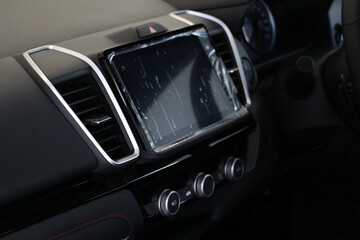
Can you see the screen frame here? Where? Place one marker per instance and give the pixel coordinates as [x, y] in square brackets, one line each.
[208, 131]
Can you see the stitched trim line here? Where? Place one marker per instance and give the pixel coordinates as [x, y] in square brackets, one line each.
[94, 221]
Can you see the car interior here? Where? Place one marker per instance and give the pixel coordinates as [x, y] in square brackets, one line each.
[180, 119]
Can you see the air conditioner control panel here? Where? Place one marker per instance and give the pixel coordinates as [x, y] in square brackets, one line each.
[201, 185]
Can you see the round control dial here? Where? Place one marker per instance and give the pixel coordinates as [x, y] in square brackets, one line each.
[204, 185]
[234, 169]
[169, 202]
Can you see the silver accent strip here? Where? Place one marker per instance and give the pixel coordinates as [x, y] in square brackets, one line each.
[195, 183]
[226, 168]
[159, 202]
[181, 19]
[107, 88]
[176, 15]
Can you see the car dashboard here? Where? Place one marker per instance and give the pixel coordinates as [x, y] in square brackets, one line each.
[122, 118]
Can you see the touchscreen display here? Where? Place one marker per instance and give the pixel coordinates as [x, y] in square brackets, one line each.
[174, 89]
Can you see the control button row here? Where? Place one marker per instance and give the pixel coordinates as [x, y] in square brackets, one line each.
[169, 200]
[202, 186]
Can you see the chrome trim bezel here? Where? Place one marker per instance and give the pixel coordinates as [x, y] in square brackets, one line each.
[203, 185]
[229, 169]
[227, 172]
[176, 15]
[167, 193]
[198, 185]
[108, 94]
[196, 182]
[159, 201]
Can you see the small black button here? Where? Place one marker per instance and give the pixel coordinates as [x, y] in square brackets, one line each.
[186, 193]
[246, 65]
[173, 203]
[249, 72]
[150, 29]
[208, 186]
[219, 176]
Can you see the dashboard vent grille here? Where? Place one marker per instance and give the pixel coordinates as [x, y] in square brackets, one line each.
[85, 98]
[223, 49]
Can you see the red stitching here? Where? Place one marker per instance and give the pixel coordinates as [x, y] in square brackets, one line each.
[93, 221]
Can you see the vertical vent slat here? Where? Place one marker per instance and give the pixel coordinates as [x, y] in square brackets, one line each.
[85, 98]
[224, 51]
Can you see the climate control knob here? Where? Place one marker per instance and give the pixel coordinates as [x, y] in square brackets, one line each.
[169, 202]
[234, 169]
[204, 185]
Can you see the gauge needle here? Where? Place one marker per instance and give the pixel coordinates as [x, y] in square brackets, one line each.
[261, 27]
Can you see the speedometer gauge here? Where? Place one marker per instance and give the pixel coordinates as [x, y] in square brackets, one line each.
[258, 28]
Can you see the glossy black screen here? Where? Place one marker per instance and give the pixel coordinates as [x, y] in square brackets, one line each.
[173, 89]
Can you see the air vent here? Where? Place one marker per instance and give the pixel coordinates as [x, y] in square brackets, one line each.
[224, 50]
[85, 98]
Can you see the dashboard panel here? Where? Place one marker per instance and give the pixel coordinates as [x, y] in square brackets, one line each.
[125, 118]
[84, 80]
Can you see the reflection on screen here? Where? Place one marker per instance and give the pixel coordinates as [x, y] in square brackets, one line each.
[173, 88]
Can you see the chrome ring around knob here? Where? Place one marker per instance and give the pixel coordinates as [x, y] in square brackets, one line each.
[204, 185]
[234, 169]
[169, 203]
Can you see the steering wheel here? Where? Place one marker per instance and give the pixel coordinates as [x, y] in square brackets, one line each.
[351, 33]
